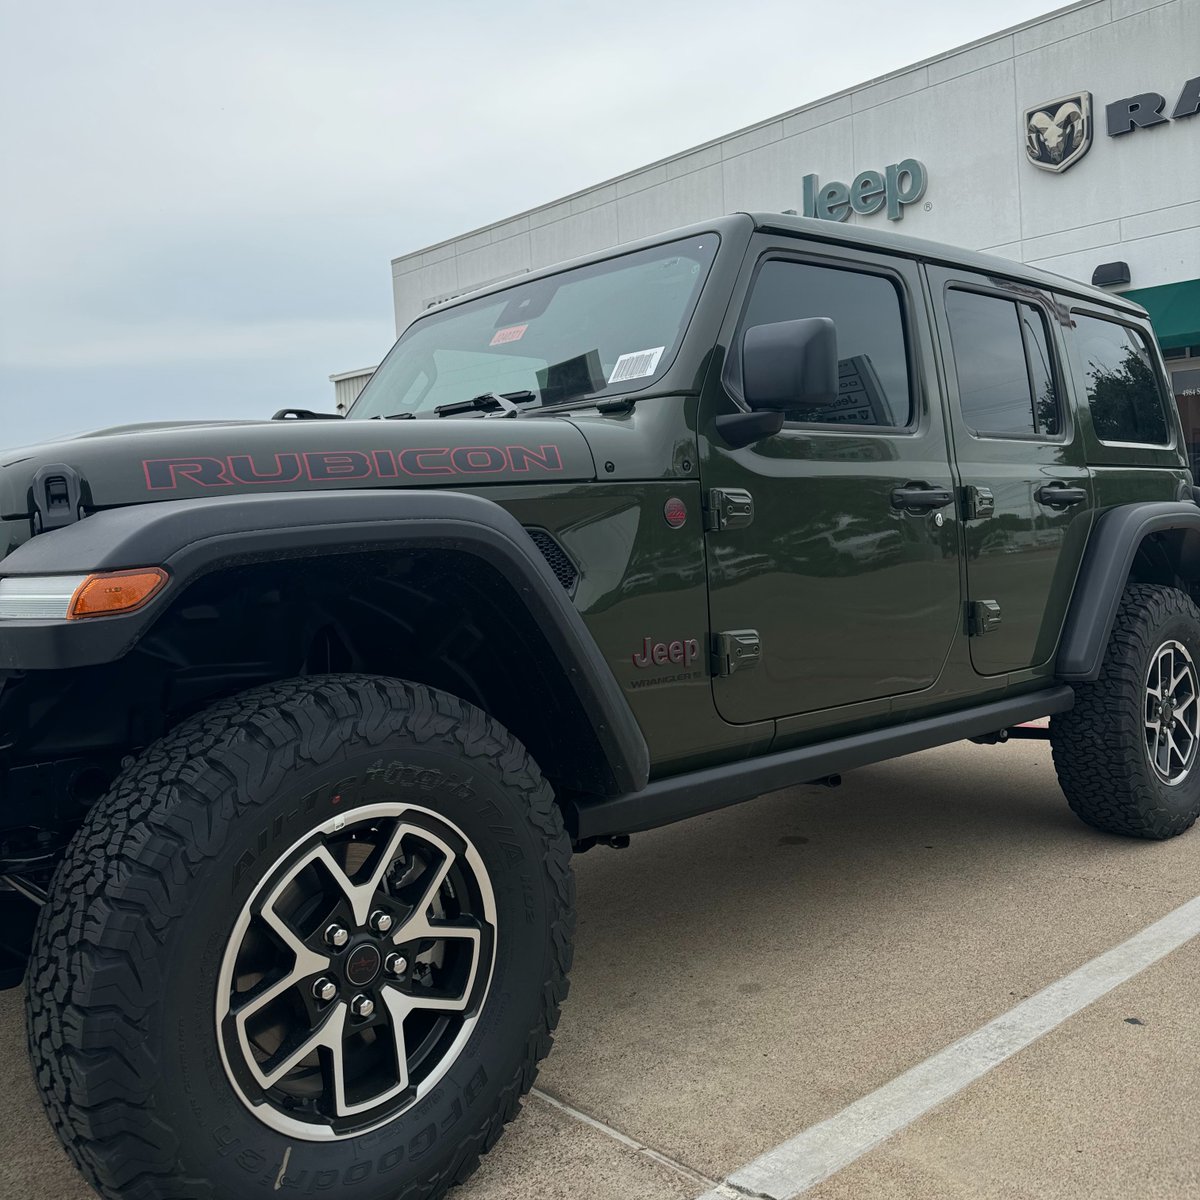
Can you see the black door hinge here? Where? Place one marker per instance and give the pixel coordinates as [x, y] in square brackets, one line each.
[735, 650]
[978, 502]
[728, 508]
[57, 497]
[983, 616]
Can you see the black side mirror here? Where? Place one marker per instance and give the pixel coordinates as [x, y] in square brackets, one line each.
[790, 364]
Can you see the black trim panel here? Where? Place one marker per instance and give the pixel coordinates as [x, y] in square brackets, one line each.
[683, 796]
[1110, 553]
[193, 537]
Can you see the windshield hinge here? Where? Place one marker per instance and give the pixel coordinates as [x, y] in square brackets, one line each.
[728, 508]
[57, 497]
[735, 650]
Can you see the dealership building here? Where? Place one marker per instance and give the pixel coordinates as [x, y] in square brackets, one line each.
[1071, 142]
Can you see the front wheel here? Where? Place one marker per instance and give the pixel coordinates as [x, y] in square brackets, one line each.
[316, 939]
[1126, 753]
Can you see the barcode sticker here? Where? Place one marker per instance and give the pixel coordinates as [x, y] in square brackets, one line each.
[637, 365]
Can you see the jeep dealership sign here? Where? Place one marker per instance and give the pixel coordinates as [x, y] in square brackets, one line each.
[899, 184]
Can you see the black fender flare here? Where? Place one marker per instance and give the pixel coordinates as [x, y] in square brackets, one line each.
[191, 538]
[1110, 554]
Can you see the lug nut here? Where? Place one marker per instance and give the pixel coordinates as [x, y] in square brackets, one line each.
[395, 964]
[324, 989]
[362, 1006]
[337, 935]
[380, 921]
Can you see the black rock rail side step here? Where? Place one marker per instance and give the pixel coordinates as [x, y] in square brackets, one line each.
[666, 800]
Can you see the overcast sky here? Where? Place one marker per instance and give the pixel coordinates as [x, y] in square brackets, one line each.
[199, 201]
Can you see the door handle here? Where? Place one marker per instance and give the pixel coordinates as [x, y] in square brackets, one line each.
[1058, 495]
[921, 497]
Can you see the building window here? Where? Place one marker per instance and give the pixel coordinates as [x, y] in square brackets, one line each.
[1185, 384]
[1123, 388]
[1002, 361]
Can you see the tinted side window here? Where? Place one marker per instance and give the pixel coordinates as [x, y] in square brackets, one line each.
[1122, 385]
[866, 309]
[1002, 361]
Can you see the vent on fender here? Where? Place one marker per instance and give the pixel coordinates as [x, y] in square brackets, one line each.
[564, 569]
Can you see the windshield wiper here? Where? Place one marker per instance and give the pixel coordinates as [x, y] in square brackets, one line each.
[488, 402]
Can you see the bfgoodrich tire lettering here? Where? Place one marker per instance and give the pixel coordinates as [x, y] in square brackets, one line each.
[123, 981]
[1101, 750]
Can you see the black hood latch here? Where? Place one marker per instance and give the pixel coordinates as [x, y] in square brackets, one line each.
[57, 497]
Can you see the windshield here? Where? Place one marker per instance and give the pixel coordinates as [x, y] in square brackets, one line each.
[592, 331]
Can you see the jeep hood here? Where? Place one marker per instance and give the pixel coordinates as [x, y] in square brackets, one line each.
[135, 464]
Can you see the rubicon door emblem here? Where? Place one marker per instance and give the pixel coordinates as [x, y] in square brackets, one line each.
[1058, 133]
[675, 512]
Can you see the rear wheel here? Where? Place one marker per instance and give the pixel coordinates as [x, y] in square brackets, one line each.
[315, 939]
[1126, 753]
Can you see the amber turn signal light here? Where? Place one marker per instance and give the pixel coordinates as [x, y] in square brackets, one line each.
[116, 592]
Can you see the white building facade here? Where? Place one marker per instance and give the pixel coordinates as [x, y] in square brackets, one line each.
[347, 385]
[1071, 142]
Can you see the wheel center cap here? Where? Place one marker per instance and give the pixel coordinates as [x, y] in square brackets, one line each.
[363, 964]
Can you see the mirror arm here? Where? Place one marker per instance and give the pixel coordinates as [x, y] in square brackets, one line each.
[741, 428]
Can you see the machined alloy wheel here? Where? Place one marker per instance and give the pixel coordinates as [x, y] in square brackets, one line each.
[1172, 712]
[326, 1068]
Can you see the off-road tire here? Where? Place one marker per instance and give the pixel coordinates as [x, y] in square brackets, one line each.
[121, 983]
[1099, 746]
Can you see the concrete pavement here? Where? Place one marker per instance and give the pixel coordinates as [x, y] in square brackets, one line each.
[744, 975]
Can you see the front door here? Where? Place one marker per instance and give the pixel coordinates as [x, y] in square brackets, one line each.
[1022, 462]
[848, 571]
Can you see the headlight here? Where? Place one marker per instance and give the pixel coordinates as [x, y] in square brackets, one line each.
[38, 598]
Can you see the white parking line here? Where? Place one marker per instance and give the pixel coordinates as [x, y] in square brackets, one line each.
[824, 1149]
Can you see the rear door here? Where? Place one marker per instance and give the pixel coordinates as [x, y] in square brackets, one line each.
[1027, 500]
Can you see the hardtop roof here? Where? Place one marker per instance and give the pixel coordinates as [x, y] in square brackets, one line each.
[940, 252]
[831, 232]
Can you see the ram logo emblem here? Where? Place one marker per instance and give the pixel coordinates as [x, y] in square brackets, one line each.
[1059, 133]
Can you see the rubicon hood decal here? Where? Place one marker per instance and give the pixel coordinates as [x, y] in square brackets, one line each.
[183, 462]
[343, 466]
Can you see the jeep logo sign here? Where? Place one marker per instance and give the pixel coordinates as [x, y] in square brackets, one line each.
[901, 184]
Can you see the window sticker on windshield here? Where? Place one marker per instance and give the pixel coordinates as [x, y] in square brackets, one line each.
[514, 333]
[637, 365]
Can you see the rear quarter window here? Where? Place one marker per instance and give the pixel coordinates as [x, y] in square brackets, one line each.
[1121, 381]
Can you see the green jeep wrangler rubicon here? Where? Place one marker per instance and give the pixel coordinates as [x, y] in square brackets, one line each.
[301, 719]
